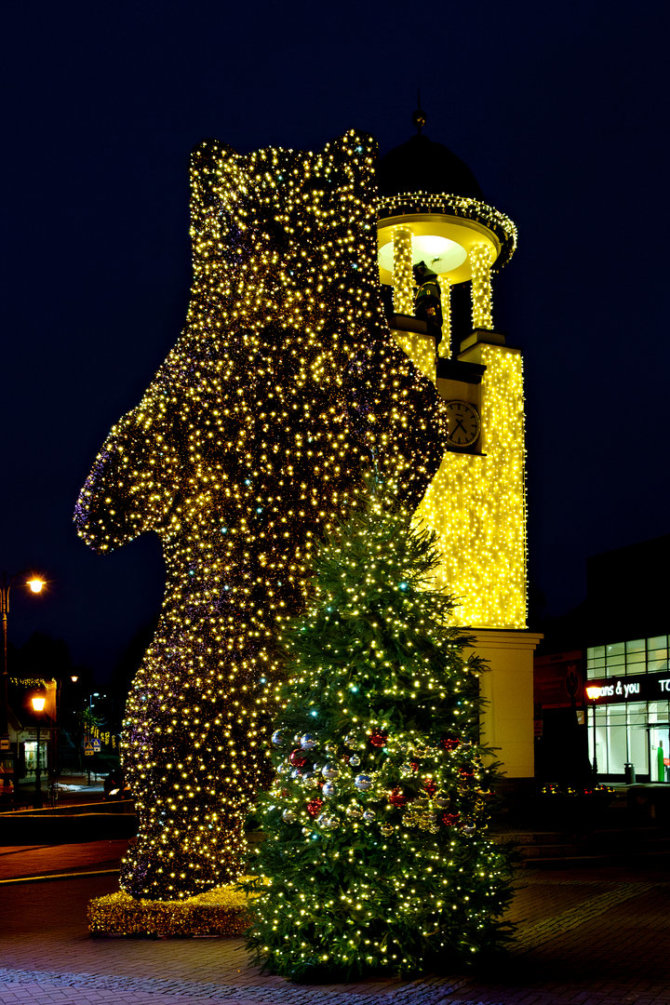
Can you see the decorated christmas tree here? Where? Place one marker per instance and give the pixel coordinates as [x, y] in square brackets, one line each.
[375, 855]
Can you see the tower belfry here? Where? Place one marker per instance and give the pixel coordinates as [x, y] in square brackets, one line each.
[431, 209]
[432, 212]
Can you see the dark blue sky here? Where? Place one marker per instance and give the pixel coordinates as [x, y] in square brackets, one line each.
[562, 113]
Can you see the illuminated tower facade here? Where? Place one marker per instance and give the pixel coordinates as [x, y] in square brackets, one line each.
[431, 210]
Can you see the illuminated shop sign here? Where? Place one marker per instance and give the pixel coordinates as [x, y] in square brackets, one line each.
[644, 687]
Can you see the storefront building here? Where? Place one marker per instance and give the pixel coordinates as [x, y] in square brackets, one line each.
[602, 677]
[628, 693]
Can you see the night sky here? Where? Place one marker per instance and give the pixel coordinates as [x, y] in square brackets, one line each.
[561, 112]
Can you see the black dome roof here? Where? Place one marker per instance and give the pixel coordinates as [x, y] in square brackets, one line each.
[421, 165]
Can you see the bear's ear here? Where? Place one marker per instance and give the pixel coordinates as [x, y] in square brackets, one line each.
[212, 166]
[355, 143]
[219, 185]
[354, 155]
[360, 147]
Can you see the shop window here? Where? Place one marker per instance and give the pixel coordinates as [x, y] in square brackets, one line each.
[595, 662]
[637, 713]
[654, 665]
[657, 711]
[617, 739]
[658, 642]
[636, 658]
[616, 649]
[616, 749]
[636, 646]
[616, 665]
[600, 740]
[616, 715]
[638, 751]
[636, 733]
[30, 750]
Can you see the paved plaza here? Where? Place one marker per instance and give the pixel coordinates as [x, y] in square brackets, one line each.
[598, 936]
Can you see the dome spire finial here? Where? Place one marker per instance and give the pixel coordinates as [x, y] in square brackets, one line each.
[419, 116]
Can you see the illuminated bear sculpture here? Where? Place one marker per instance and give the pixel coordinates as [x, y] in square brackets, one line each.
[284, 387]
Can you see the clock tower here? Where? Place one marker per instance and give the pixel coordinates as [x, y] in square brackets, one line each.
[432, 211]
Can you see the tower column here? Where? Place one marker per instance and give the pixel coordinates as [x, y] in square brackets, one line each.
[482, 294]
[403, 278]
[444, 348]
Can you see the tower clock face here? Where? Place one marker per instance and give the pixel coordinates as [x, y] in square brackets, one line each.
[463, 423]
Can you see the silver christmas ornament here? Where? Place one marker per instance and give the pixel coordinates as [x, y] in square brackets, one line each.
[362, 782]
[330, 771]
[288, 816]
[307, 741]
[328, 789]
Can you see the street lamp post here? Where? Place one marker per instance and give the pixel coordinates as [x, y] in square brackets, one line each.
[38, 702]
[593, 692]
[35, 584]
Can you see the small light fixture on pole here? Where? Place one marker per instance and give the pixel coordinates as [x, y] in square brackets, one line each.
[593, 692]
[38, 701]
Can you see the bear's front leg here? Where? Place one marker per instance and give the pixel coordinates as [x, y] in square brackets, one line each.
[132, 483]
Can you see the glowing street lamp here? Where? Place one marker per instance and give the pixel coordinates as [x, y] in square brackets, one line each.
[38, 701]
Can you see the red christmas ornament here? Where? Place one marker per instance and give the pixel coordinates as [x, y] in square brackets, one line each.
[314, 807]
[378, 739]
[397, 797]
[449, 819]
[466, 775]
[430, 787]
[297, 758]
[414, 765]
[450, 743]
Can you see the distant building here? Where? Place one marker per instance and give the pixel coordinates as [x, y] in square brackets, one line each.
[621, 639]
[20, 759]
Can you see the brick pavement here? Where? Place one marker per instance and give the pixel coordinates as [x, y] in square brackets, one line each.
[600, 937]
[46, 860]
